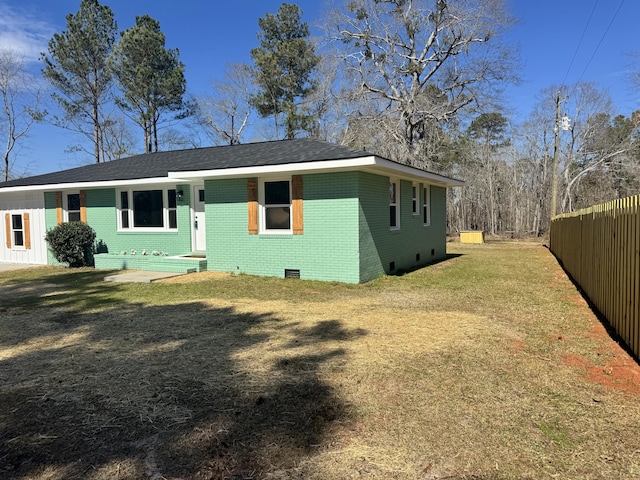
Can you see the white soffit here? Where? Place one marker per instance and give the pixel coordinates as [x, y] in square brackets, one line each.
[84, 185]
[370, 163]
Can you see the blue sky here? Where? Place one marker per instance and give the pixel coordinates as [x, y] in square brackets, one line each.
[211, 34]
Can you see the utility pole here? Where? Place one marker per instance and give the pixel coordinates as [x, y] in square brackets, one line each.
[556, 148]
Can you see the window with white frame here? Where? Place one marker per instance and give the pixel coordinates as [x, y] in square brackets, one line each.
[124, 210]
[275, 206]
[172, 208]
[426, 205]
[394, 204]
[415, 199]
[72, 207]
[154, 209]
[17, 230]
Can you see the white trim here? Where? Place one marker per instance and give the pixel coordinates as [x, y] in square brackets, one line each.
[13, 230]
[262, 216]
[195, 191]
[53, 187]
[285, 168]
[426, 203]
[65, 205]
[415, 198]
[411, 172]
[131, 215]
[397, 201]
[371, 164]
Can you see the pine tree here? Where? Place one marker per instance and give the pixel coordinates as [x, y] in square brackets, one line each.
[284, 63]
[77, 68]
[151, 77]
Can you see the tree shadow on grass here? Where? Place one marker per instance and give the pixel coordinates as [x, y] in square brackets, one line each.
[71, 289]
[189, 390]
[449, 256]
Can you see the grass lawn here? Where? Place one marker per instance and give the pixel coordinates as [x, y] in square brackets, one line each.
[489, 365]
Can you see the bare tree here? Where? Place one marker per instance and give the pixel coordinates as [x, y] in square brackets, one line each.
[118, 139]
[589, 146]
[425, 60]
[20, 103]
[225, 114]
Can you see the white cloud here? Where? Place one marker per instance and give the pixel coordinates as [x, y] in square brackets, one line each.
[22, 32]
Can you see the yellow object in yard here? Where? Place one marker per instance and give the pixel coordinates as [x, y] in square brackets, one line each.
[471, 236]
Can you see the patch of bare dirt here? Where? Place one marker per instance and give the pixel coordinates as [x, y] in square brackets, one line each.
[618, 369]
[195, 277]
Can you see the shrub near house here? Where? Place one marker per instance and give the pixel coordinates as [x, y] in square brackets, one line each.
[71, 243]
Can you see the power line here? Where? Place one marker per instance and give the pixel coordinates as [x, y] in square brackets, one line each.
[575, 54]
[601, 40]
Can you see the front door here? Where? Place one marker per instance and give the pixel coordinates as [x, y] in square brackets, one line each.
[199, 226]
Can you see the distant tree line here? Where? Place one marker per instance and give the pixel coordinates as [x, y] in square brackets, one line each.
[416, 81]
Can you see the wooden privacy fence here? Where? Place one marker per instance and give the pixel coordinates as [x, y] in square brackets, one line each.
[600, 248]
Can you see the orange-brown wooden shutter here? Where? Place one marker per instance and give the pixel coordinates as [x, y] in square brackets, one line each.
[83, 206]
[59, 217]
[7, 228]
[296, 204]
[26, 228]
[252, 205]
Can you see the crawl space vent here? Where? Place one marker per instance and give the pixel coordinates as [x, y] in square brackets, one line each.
[290, 273]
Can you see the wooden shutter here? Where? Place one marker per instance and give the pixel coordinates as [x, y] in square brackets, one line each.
[296, 204]
[26, 230]
[7, 228]
[252, 205]
[83, 206]
[59, 217]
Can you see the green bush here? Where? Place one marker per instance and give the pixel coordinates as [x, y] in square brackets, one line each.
[71, 243]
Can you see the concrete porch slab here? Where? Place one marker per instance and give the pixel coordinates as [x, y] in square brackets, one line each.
[140, 276]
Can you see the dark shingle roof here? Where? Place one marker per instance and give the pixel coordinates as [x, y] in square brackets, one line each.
[157, 165]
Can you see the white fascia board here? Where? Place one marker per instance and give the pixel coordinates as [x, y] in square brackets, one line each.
[370, 163]
[412, 172]
[88, 185]
[291, 168]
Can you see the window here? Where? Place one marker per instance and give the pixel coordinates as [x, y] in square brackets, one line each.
[172, 209]
[148, 209]
[124, 209]
[415, 201]
[17, 229]
[394, 207]
[426, 210]
[73, 207]
[276, 206]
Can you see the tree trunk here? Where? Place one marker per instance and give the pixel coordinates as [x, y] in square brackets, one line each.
[96, 132]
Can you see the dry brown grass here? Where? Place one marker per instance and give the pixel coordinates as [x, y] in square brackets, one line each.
[486, 366]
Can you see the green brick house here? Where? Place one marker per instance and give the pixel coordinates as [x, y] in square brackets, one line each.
[291, 208]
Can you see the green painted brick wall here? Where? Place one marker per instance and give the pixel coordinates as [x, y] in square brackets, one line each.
[102, 217]
[328, 249]
[409, 247]
[346, 230]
